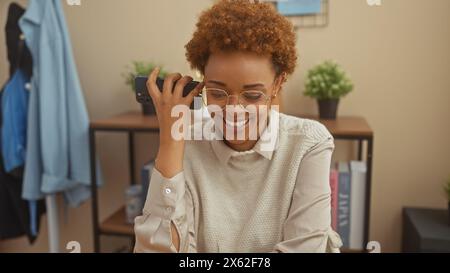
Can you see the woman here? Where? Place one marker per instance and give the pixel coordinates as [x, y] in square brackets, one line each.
[239, 194]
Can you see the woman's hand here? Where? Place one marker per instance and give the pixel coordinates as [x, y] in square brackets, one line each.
[169, 160]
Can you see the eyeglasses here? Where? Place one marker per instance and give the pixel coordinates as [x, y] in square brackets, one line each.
[219, 97]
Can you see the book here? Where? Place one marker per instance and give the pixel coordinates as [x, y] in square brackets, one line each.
[334, 178]
[344, 202]
[358, 172]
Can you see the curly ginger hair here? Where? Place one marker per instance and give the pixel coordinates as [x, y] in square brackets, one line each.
[243, 25]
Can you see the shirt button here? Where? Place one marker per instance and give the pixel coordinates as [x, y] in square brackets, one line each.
[167, 190]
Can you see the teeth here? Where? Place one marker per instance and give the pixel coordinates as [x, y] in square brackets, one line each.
[236, 124]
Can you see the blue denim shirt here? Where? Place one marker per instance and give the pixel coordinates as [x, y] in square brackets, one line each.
[15, 109]
[57, 143]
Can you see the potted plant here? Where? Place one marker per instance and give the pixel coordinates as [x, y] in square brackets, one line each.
[327, 83]
[447, 193]
[141, 69]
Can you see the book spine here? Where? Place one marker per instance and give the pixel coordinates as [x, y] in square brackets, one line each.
[334, 198]
[344, 207]
[357, 208]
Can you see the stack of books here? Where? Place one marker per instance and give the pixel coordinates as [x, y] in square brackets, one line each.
[348, 202]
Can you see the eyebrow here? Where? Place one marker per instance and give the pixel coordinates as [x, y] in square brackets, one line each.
[247, 86]
[255, 85]
[217, 82]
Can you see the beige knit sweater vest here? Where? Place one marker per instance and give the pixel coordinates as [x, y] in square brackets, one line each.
[241, 206]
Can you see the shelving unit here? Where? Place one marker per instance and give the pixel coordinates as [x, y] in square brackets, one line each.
[130, 123]
[116, 224]
[353, 128]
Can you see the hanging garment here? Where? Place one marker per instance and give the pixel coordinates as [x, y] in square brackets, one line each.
[15, 108]
[18, 54]
[57, 141]
[17, 217]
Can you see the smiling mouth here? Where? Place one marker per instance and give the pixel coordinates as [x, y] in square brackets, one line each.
[238, 124]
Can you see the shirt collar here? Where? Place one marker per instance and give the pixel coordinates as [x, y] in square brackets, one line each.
[266, 145]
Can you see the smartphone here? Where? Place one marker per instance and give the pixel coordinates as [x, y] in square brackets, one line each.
[143, 96]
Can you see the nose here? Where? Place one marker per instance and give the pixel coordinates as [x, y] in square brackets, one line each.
[233, 100]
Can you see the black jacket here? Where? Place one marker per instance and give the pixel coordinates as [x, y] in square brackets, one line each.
[18, 53]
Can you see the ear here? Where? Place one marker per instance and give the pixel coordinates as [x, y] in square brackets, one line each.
[279, 81]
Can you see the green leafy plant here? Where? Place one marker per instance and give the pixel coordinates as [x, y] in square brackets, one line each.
[140, 69]
[327, 81]
[447, 189]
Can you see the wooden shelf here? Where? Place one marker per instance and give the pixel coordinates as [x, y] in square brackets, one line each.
[132, 120]
[346, 126]
[116, 224]
[135, 120]
[347, 250]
